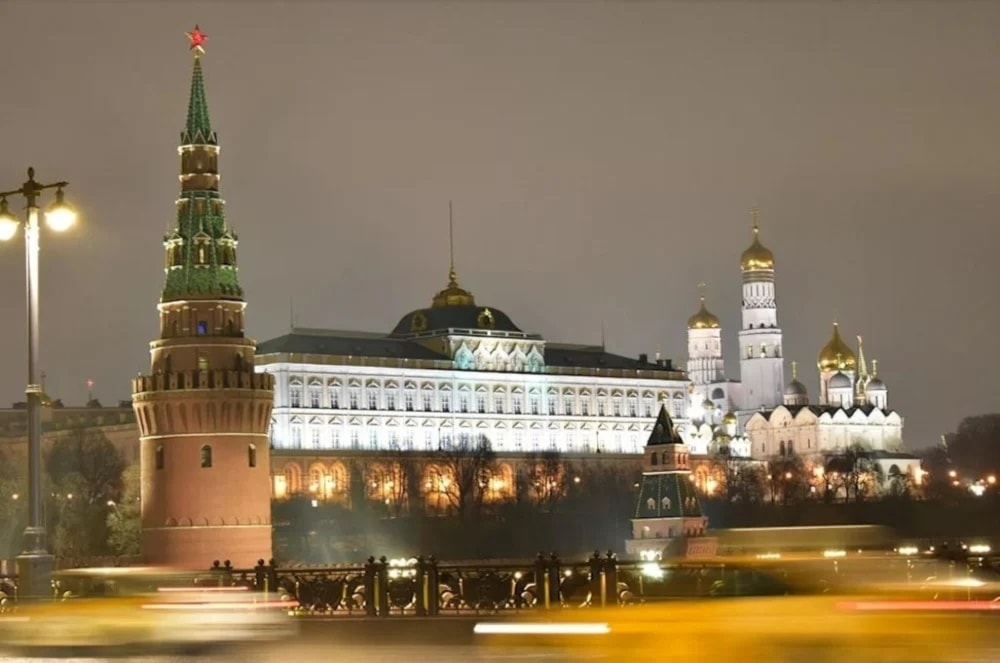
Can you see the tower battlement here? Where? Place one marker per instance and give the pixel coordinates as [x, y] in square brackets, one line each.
[145, 386]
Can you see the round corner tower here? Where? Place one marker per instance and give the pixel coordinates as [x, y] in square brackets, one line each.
[203, 412]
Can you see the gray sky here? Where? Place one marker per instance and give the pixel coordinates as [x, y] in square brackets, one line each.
[602, 159]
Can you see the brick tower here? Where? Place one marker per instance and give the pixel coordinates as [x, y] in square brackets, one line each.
[203, 412]
[668, 520]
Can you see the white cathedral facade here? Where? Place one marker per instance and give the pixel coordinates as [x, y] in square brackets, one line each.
[457, 371]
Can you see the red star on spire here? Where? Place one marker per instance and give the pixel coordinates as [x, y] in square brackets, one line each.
[197, 39]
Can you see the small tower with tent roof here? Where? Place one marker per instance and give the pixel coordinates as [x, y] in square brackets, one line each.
[668, 519]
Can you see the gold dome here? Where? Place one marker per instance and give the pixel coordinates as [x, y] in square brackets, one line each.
[703, 319]
[730, 418]
[836, 355]
[757, 256]
[453, 295]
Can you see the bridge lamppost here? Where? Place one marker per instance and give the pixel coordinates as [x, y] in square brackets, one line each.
[35, 563]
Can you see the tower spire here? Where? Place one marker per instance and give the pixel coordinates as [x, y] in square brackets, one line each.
[201, 248]
[874, 368]
[755, 215]
[862, 366]
[198, 129]
[795, 370]
[453, 294]
[452, 276]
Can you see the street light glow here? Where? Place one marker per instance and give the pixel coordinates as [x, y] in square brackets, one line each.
[60, 216]
[8, 222]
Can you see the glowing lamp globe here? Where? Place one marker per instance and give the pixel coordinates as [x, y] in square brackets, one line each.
[60, 216]
[8, 222]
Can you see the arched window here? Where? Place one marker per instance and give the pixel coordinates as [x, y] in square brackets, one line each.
[159, 456]
[251, 455]
[206, 456]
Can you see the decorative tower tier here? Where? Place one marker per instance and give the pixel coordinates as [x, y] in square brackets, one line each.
[203, 412]
[667, 519]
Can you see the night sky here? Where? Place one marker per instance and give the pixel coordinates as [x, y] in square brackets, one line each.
[602, 159]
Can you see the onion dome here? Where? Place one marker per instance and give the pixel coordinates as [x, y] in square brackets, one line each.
[836, 355]
[875, 384]
[703, 319]
[729, 419]
[796, 388]
[758, 256]
[707, 405]
[840, 381]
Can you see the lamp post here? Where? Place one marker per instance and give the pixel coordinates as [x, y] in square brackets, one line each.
[35, 563]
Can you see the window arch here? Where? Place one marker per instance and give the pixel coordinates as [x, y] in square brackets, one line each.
[206, 456]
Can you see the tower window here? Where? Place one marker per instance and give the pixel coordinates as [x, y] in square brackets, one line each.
[202, 327]
[202, 363]
[252, 455]
[206, 456]
[159, 456]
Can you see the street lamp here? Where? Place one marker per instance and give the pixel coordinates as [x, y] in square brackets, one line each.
[35, 563]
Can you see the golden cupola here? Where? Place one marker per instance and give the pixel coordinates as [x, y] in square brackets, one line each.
[703, 319]
[758, 256]
[836, 355]
[453, 295]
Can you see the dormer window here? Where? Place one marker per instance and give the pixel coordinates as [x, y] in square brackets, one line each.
[202, 244]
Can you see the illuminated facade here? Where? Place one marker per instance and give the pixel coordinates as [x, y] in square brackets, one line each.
[455, 373]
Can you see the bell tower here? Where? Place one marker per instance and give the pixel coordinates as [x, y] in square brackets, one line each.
[203, 412]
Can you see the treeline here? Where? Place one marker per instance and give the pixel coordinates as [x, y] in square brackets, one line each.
[90, 499]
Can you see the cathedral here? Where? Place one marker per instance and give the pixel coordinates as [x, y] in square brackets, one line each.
[758, 416]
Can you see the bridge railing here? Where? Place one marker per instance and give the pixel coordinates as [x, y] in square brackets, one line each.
[425, 586]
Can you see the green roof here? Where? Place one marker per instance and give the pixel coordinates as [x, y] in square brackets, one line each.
[201, 249]
[198, 129]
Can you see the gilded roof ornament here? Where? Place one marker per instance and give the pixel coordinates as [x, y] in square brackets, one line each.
[703, 319]
[836, 355]
[757, 257]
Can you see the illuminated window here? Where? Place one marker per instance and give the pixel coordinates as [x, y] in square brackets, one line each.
[202, 327]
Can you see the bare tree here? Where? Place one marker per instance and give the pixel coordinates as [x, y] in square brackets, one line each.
[466, 466]
[856, 470]
[788, 478]
[742, 480]
[547, 478]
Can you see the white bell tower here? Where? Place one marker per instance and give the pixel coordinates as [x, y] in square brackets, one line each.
[762, 365]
